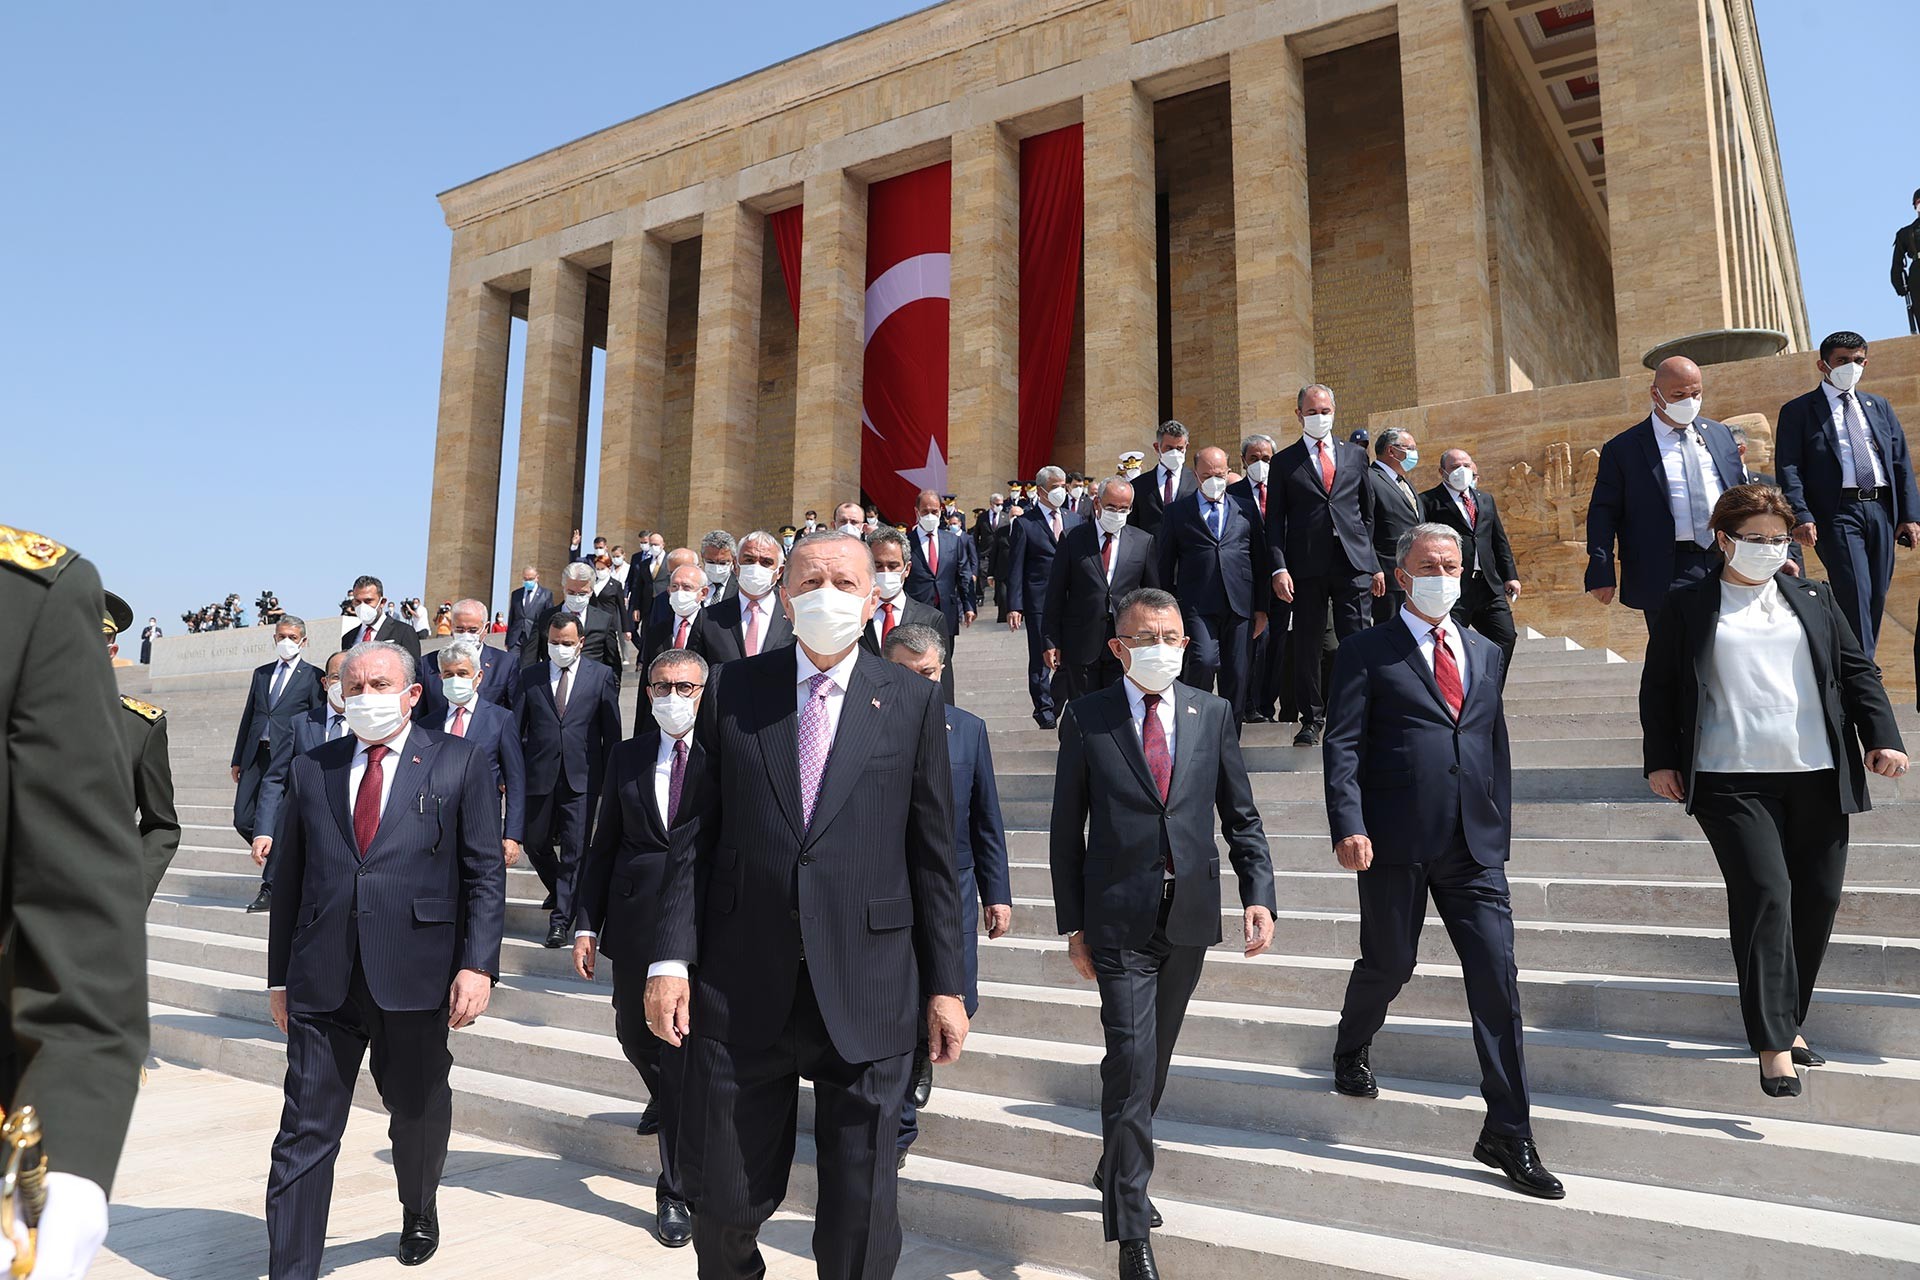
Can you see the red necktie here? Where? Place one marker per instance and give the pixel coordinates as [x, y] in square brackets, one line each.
[1106, 553]
[1260, 492]
[1326, 465]
[366, 802]
[933, 553]
[1473, 516]
[1153, 740]
[751, 645]
[886, 624]
[459, 723]
[1446, 674]
[680, 635]
[366, 635]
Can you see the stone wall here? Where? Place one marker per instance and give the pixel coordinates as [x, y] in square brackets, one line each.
[1193, 150]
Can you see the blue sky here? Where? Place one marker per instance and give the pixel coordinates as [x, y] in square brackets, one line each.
[220, 358]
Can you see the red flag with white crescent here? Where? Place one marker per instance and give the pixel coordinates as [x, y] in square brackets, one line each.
[903, 431]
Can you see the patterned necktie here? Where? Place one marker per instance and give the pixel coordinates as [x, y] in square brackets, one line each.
[747, 640]
[1857, 441]
[676, 779]
[560, 697]
[1260, 492]
[459, 722]
[1166, 494]
[1697, 507]
[366, 802]
[1446, 674]
[1213, 519]
[1153, 740]
[1473, 511]
[815, 741]
[1326, 465]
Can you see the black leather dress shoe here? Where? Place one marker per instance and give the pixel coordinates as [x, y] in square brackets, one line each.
[672, 1223]
[649, 1122]
[556, 936]
[1136, 1260]
[922, 1076]
[1046, 719]
[1258, 717]
[1519, 1159]
[263, 901]
[419, 1238]
[1805, 1057]
[1353, 1074]
[1153, 1214]
[1309, 735]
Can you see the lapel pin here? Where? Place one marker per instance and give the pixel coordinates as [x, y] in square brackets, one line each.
[416, 760]
[876, 704]
[1192, 712]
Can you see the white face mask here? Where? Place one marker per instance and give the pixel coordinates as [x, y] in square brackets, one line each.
[600, 577]
[850, 528]
[1460, 479]
[1077, 492]
[1434, 596]
[1056, 495]
[684, 603]
[1754, 561]
[1173, 459]
[564, 655]
[459, 689]
[618, 561]
[1318, 426]
[374, 717]
[1156, 666]
[1213, 488]
[889, 584]
[1684, 411]
[578, 603]
[1846, 376]
[1112, 522]
[756, 579]
[287, 649]
[674, 714]
[367, 614]
[930, 522]
[828, 619]
[1257, 471]
[718, 571]
[335, 698]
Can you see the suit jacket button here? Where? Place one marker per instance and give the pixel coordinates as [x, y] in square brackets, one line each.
[793, 914]
[1453, 768]
[353, 915]
[806, 859]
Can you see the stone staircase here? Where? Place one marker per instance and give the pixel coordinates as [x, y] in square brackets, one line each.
[1645, 1098]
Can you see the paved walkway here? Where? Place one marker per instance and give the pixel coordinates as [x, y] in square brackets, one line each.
[188, 1205]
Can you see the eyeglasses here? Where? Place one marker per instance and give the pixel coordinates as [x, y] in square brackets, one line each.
[1761, 540]
[685, 688]
[1147, 639]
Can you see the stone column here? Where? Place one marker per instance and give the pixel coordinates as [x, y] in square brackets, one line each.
[1123, 363]
[466, 455]
[1453, 352]
[983, 384]
[726, 372]
[1663, 203]
[1273, 240]
[547, 503]
[632, 404]
[833, 308]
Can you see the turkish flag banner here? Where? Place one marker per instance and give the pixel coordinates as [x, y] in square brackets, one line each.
[904, 414]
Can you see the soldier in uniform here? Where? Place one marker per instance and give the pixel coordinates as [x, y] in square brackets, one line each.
[1906, 266]
[144, 729]
[74, 981]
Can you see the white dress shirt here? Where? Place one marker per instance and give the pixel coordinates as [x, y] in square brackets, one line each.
[1161, 474]
[389, 765]
[1423, 638]
[1849, 478]
[1109, 560]
[1762, 712]
[662, 792]
[1674, 464]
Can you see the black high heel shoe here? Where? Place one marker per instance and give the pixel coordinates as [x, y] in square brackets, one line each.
[1779, 1086]
[1805, 1057]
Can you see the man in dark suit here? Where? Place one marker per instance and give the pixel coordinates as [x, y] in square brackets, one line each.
[500, 669]
[996, 548]
[1170, 480]
[281, 690]
[1097, 564]
[752, 621]
[1848, 476]
[652, 784]
[323, 722]
[937, 570]
[640, 585]
[979, 841]
[970, 575]
[466, 713]
[893, 607]
[568, 718]
[1144, 768]
[599, 628]
[1491, 580]
[717, 556]
[1654, 492]
[1035, 537]
[1213, 559]
[376, 621]
[679, 615]
[385, 930]
[825, 928]
[1396, 509]
[525, 608]
[1267, 674]
[1320, 531]
[1419, 801]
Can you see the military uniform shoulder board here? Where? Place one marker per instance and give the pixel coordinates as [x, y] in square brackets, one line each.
[33, 554]
[145, 710]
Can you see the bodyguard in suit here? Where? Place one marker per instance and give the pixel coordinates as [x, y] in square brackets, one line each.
[1490, 582]
[500, 669]
[1170, 480]
[281, 690]
[599, 627]
[1845, 469]
[1419, 802]
[1097, 565]
[385, 931]
[826, 926]
[1320, 531]
[752, 621]
[717, 553]
[979, 841]
[893, 607]
[525, 608]
[1756, 455]
[1145, 767]
[1654, 493]
[969, 561]
[652, 780]
[1035, 537]
[323, 722]
[568, 718]
[679, 614]
[376, 620]
[1213, 559]
[465, 713]
[1267, 677]
[937, 568]
[1396, 509]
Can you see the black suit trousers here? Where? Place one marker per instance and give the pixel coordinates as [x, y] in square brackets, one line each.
[661, 1066]
[737, 1142]
[1220, 650]
[1083, 678]
[1143, 1000]
[1039, 679]
[1856, 549]
[556, 833]
[1781, 842]
[1473, 902]
[1345, 599]
[1484, 607]
[411, 1062]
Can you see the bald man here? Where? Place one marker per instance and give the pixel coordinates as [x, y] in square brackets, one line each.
[1654, 492]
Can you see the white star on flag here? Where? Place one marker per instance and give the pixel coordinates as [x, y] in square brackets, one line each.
[931, 476]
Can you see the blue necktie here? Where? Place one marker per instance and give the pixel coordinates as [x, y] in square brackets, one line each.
[1213, 519]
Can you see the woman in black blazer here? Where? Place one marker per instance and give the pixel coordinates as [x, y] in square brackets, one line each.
[1755, 705]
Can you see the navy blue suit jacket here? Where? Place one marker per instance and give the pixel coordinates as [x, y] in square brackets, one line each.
[951, 589]
[1311, 532]
[495, 734]
[574, 751]
[499, 680]
[1030, 558]
[1806, 453]
[523, 611]
[1399, 770]
[979, 837]
[625, 867]
[1213, 576]
[306, 731]
[427, 901]
[302, 693]
[1630, 507]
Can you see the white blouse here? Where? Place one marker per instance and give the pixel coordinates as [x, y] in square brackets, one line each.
[1762, 712]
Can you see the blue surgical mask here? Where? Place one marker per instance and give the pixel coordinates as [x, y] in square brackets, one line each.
[1411, 461]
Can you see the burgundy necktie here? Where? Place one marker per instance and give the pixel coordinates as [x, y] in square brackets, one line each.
[1166, 490]
[1446, 674]
[1153, 740]
[1260, 491]
[676, 779]
[1106, 553]
[1473, 512]
[366, 802]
